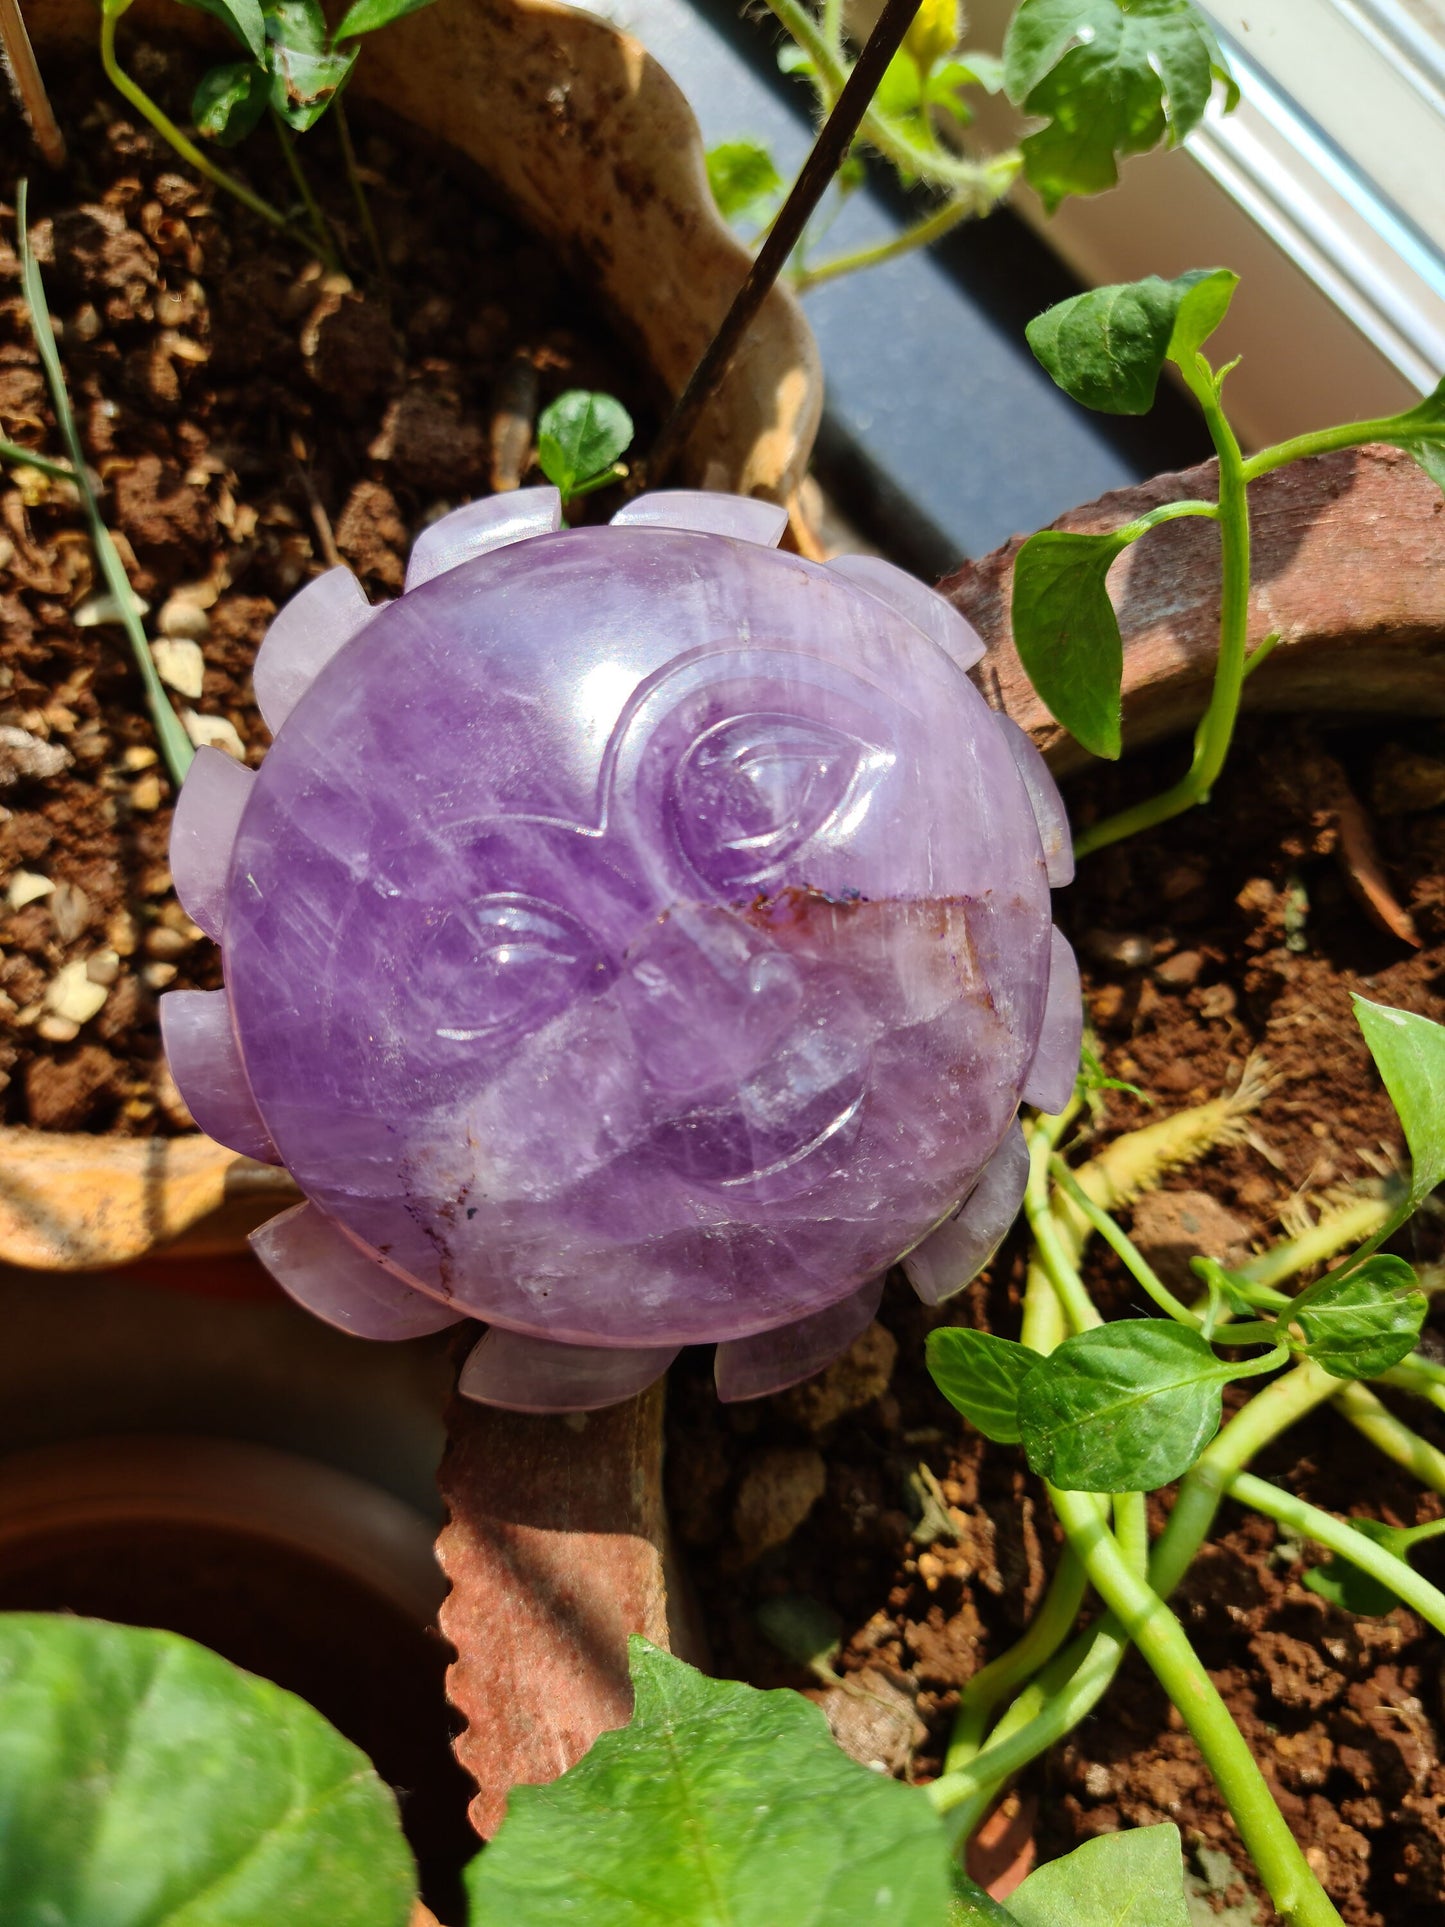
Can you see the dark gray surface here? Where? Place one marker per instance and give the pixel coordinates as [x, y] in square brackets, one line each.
[942, 436]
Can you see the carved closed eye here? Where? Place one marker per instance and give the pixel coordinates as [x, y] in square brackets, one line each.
[755, 789]
[507, 963]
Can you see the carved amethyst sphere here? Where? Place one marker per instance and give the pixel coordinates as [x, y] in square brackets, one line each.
[635, 937]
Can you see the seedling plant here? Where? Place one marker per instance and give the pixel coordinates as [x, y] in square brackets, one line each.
[1102, 78]
[294, 67]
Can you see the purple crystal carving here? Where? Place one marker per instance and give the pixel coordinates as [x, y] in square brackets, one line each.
[635, 937]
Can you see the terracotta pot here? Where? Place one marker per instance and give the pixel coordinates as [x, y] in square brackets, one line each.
[296, 1571]
[597, 151]
[1349, 567]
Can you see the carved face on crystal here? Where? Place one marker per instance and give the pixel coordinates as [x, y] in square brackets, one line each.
[635, 937]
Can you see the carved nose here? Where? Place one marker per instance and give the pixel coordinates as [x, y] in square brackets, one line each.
[708, 999]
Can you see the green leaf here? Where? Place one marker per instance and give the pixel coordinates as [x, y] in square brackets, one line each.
[365, 16]
[741, 174]
[1363, 1322]
[804, 1630]
[145, 1780]
[718, 1803]
[1107, 347]
[1067, 633]
[579, 437]
[244, 18]
[1110, 78]
[980, 1375]
[297, 24]
[304, 85]
[1133, 1879]
[972, 1907]
[1346, 1586]
[1123, 1408]
[1409, 1053]
[229, 101]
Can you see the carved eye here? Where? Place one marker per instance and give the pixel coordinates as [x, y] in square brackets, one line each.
[504, 965]
[754, 789]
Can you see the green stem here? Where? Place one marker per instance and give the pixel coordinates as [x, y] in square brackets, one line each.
[19, 457]
[1392, 1436]
[1050, 1627]
[1123, 1246]
[1053, 1249]
[1323, 441]
[1216, 728]
[166, 127]
[1338, 1537]
[321, 233]
[175, 744]
[359, 195]
[1131, 1530]
[955, 210]
[1288, 1876]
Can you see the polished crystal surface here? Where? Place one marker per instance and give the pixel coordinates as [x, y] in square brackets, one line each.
[638, 937]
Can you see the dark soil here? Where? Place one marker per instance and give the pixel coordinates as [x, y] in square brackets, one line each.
[862, 1507]
[254, 420]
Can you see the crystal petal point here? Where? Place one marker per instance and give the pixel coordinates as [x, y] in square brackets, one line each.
[536, 1375]
[742, 517]
[773, 1360]
[1048, 805]
[954, 1254]
[303, 638]
[321, 1268]
[493, 523]
[205, 1060]
[913, 599]
[203, 832]
[1055, 1067]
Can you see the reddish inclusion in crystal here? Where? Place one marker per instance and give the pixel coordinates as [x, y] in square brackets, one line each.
[638, 937]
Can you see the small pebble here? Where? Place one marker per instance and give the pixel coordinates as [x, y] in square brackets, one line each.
[167, 944]
[26, 886]
[1218, 1000]
[103, 967]
[179, 663]
[1124, 948]
[1181, 970]
[146, 793]
[69, 911]
[57, 1030]
[213, 732]
[71, 994]
[778, 1491]
[156, 976]
[26, 757]
[121, 933]
[184, 620]
[139, 757]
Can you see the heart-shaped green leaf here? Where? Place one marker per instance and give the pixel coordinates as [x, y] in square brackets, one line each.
[1110, 78]
[1107, 347]
[1409, 1053]
[1123, 1408]
[1132, 1879]
[1361, 1323]
[244, 18]
[579, 438]
[1067, 633]
[718, 1803]
[981, 1375]
[144, 1780]
[229, 101]
[365, 16]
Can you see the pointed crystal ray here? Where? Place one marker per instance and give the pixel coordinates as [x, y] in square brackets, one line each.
[916, 601]
[534, 1375]
[493, 523]
[694, 508]
[200, 1046]
[771, 1361]
[1051, 1077]
[203, 830]
[315, 1262]
[957, 1251]
[1049, 811]
[307, 633]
